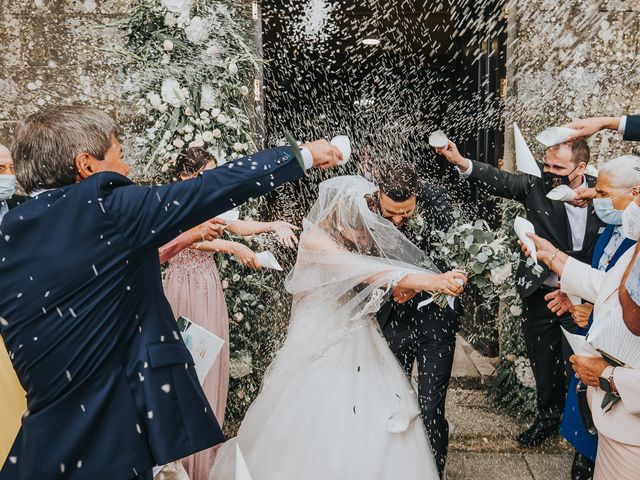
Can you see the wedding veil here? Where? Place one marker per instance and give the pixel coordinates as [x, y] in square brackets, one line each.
[349, 258]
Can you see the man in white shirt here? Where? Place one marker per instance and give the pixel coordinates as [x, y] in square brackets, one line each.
[566, 226]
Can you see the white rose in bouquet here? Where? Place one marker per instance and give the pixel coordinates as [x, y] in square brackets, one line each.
[216, 133]
[213, 50]
[198, 31]
[177, 6]
[167, 45]
[207, 97]
[524, 373]
[172, 93]
[222, 118]
[238, 147]
[515, 310]
[178, 143]
[233, 68]
[501, 274]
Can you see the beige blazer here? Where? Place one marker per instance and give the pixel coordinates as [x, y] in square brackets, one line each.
[622, 422]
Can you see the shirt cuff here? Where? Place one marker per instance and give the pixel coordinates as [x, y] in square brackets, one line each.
[467, 173]
[623, 125]
[307, 157]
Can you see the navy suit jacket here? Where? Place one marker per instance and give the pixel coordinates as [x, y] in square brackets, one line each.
[111, 388]
[632, 128]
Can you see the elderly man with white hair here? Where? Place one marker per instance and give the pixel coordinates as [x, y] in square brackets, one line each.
[8, 198]
[613, 391]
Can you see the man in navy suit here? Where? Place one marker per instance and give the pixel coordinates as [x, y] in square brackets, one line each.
[111, 388]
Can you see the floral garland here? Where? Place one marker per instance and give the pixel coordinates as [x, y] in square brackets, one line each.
[186, 84]
[187, 81]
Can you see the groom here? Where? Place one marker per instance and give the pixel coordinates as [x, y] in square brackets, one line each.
[426, 336]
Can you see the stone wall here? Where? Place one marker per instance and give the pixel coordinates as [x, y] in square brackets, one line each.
[568, 60]
[58, 51]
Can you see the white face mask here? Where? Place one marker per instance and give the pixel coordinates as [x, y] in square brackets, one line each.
[631, 221]
[7, 186]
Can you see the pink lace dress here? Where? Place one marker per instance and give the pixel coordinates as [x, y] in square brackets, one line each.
[193, 288]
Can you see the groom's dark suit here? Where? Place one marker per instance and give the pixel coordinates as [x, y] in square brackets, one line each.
[110, 385]
[428, 335]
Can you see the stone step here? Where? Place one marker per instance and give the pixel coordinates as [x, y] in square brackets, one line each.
[508, 466]
[471, 369]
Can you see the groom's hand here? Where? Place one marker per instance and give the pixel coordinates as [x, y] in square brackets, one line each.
[324, 154]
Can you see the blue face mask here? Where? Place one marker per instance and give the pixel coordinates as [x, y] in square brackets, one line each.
[605, 211]
[7, 186]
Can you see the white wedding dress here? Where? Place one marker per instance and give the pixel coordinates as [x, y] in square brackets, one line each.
[335, 404]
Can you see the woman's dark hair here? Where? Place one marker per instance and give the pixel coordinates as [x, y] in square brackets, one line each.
[191, 161]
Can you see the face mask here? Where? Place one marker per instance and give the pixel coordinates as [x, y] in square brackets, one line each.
[631, 221]
[7, 186]
[551, 180]
[605, 211]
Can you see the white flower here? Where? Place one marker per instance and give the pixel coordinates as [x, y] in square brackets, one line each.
[241, 366]
[216, 133]
[208, 137]
[233, 68]
[164, 168]
[154, 100]
[198, 31]
[178, 143]
[524, 373]
[177, 6]
[238, 147]
[213, 50]
[170, 20]
[197, 143]
[163, 108]
[207, 97]
[500, 275]
[222, 119]
[167, 45]
[238, 317]
[188, 128]
[244, 90]
[515, 310]
[225, 284]
[172, 93]
[215, 112]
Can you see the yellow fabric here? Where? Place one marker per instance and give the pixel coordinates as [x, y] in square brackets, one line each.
[13, 403]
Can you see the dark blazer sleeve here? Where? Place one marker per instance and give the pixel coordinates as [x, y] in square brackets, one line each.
[149, 217]
[632, 128]
[501, 183]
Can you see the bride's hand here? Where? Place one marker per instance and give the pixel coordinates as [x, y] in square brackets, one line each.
[450, 283]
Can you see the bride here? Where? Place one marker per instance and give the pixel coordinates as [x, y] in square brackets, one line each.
[335, 404]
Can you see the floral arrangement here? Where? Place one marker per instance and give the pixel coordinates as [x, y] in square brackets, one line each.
[491, 260]
[482, 254]
[188, 80]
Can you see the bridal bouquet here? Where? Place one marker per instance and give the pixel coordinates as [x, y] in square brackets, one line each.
[481, 253]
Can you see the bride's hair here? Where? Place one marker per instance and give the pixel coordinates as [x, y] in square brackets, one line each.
[350, 231]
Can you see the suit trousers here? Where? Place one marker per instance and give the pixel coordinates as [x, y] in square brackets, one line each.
[549, 353]
[433, 351]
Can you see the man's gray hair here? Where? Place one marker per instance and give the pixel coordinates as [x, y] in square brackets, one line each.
[47, 143]
[624, 171]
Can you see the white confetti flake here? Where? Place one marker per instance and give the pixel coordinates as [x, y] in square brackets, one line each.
[166, 388]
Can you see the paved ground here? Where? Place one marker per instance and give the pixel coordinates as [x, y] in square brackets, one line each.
[482, 441]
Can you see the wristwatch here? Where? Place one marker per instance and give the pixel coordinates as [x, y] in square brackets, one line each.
[606, 381]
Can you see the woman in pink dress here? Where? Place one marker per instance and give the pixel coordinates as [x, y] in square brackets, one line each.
[193, 288]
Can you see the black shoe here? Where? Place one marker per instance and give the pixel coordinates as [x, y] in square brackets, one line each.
[537, 433]
[582, 468]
